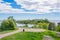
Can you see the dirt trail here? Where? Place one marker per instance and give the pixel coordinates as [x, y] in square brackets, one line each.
[21, 30]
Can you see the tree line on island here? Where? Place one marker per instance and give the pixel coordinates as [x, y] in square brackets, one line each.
[10, 24]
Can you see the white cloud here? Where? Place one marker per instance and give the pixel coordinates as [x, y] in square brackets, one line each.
[38, 5]
[1, 1]
[41, 6]
[6, 8]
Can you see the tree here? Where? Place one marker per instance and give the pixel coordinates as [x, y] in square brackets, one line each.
[42, 25]
[58, 27]
[11, 18]
[12, 22]
[45, 25]
[8, 24]
[51, 26]
[26, 25]
[46, 21]
[4, 25]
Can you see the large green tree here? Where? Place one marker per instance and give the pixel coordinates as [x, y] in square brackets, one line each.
[4, 25]
[8, 24]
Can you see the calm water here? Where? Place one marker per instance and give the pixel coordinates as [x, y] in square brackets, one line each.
[21, 25]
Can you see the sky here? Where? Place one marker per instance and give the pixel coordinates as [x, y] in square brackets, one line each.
[30, 9]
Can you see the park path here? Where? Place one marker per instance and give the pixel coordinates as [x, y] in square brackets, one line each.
[21, 30]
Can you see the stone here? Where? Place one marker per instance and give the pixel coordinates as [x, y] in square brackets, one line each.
[48, 38]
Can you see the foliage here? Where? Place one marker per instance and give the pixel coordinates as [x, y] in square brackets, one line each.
[42, 25]
[50, 33]
[31, 36]
[34, 21]
[8, 24]
[52, 26]
[26, 25]
[25, 36]
[4, 25]
[58, 27]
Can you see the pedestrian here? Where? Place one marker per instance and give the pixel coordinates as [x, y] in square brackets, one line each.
[23, 30]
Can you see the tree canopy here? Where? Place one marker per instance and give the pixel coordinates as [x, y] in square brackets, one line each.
[8, 24]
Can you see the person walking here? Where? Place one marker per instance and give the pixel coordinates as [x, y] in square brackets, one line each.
[23, 30]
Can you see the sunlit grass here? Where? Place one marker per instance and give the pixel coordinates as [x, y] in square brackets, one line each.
[31, 36]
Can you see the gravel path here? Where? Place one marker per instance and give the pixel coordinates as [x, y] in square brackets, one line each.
[21, 30]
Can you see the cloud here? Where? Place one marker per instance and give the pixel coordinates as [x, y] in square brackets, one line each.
[7, 8]
[40, 6]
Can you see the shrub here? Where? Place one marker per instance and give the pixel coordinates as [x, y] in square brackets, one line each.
[51, 26]
[26, 25]
[4, 25]
[8, 24]
[58, 27]
[43, 25]
[50, 33]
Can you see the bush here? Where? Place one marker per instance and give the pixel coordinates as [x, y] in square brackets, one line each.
[51, 33]
[52, 26]
[58, 27]
[8, 24]
[26, 25]
[4, 25]
[42, 25]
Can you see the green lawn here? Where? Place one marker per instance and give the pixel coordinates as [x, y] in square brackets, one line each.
[30, 36]
[7, 31]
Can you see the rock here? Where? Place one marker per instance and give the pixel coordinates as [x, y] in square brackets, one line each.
[48, 38]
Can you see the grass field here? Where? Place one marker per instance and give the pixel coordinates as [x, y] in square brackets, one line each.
[3, 32]
[31, 36]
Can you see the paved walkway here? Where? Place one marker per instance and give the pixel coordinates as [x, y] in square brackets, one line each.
[21, 30]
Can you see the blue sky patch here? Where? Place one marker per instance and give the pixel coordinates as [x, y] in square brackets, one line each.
[13, 4]
[30, 9]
